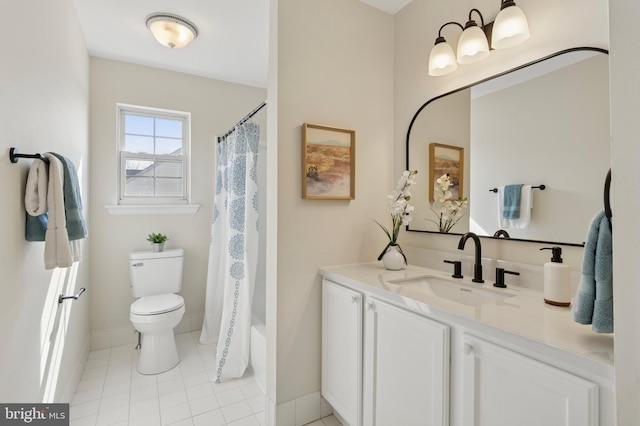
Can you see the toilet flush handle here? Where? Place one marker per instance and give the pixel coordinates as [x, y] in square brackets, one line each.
[138, 264]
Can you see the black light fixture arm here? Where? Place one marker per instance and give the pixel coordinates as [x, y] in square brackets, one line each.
[441, 39]
[471, 22]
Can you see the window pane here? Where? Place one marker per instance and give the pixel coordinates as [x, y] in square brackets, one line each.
[169, 128]
[168, 146]
[139, 168]
[139, 144]
[168, 187]
[135, 124]
[139, 186]
[168, 169]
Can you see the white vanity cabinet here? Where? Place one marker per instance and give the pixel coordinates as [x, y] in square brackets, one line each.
[342, 350]
[503, 388]
[406, 368]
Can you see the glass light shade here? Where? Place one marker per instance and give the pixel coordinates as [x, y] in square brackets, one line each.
[171, 30]
[510, 28]
[472, 45]
[442, 60]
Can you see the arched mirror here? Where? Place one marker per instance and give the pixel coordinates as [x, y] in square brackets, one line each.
[545, 123]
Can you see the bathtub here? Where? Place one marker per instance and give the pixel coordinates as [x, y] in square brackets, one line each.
[258, 351]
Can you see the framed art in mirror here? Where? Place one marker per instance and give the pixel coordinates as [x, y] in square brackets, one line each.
[446, 159]
[328, 162]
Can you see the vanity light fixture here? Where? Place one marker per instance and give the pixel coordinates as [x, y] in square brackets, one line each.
[509, 29]
[171, 30]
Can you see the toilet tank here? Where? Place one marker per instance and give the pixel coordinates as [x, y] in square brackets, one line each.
[153, 273]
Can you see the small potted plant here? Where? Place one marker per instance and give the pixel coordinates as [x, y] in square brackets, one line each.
[157, 241]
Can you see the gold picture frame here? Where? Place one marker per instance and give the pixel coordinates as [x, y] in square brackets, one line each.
[446, 159]
[328, 163]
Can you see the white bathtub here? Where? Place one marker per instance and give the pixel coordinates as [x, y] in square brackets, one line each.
[258, 354]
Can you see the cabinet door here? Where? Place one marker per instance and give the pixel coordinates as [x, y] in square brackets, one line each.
[342, 350]
[503, 388]
[406, 363]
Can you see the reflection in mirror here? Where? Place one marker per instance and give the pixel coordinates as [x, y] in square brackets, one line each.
[546, 123]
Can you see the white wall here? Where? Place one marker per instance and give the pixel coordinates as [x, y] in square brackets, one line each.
[625, 127]
[215, 106]
[44, 99]
[334, 67]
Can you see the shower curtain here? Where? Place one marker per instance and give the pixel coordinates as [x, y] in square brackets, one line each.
[233, 252]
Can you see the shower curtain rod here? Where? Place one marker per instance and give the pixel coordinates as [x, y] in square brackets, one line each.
[242, 120]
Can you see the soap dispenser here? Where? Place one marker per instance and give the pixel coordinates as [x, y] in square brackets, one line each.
[557, 279]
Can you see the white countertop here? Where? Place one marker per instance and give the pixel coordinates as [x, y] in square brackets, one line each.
[524, 315]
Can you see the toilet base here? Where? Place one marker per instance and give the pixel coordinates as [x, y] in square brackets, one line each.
[158, 353]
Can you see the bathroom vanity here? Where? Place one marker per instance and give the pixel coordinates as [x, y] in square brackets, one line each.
[417, 347]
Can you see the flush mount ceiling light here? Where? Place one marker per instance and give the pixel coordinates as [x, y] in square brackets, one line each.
[509, 29]
[171, 30]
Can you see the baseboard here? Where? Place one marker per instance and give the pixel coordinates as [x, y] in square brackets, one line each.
[125, 335]
[72, 385]
[299, 411]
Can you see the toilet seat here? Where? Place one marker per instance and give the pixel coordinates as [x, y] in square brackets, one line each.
[158, 304]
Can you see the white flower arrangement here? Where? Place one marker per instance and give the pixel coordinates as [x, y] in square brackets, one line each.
[400, 210]
[447, 211]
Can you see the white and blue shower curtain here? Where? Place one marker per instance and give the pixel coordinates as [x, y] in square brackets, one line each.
[233, 252]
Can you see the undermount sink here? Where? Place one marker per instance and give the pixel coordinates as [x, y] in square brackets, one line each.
[450, 290]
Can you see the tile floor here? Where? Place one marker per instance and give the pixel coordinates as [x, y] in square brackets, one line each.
[112, 393]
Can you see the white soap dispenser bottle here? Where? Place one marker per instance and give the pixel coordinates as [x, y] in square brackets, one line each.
[557, 279]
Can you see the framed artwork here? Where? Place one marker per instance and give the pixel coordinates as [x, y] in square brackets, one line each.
[328, 163]
[446, 159]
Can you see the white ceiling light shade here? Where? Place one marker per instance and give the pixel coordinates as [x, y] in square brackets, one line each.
[171, 30]
[442, 60]
[473, 45]
[510, 27]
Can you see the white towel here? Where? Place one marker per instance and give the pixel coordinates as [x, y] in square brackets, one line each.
[35, 194]
[57, 250]
[526, 204]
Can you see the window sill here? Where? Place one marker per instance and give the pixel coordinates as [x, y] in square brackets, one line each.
[153, 210]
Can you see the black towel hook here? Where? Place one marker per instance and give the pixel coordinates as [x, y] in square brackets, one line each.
[607, 202]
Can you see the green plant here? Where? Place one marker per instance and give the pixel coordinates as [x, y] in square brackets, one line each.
[157, 238]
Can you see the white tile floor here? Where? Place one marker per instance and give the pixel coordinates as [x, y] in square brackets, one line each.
[112, 393]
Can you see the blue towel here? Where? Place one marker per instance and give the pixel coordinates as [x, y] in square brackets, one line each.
[511, 206]
[36, 227]
[76, 226]
[595, 295]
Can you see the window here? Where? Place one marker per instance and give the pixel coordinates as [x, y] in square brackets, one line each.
[154, 152]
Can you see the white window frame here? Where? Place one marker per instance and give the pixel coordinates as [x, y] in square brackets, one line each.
[185, 117]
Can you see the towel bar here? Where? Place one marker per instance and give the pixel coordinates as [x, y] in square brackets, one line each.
[540, 187]
[13, 156]
[62, 298]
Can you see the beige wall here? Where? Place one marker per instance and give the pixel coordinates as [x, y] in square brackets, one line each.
[44, 99]
[416, 28]
[215, 106]
[335, 67]
[625, 127]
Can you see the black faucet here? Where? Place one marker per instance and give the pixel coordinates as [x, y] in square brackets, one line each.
[477, 267]
[502, 232]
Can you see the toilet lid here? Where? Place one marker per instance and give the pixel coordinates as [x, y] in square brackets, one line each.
[153, 305]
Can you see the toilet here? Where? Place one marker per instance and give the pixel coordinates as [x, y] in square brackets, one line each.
[156, 277]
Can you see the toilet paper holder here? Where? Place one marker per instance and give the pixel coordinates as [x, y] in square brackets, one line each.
[62, 297]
